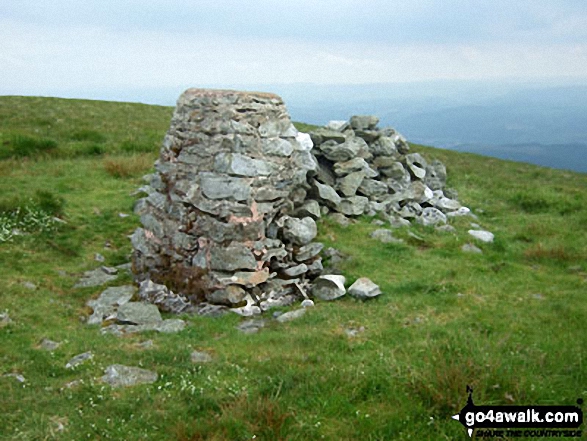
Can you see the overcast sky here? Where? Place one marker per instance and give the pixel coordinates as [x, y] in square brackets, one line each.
[66, 47]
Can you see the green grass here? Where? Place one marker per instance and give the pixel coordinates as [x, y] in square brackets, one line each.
[510, 322]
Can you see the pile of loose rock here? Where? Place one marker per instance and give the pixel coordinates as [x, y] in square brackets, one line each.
[366, 170]
[230, 214]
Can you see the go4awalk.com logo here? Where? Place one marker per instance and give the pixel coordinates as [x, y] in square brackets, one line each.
[520, 421]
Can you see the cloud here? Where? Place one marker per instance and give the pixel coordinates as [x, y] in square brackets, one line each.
[59, 45]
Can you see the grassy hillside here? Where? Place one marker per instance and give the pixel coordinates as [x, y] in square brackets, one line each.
[511, 322]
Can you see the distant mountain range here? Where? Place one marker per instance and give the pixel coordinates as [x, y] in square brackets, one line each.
[537, 124]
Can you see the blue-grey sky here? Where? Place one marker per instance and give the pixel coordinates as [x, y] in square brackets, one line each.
[66, 47]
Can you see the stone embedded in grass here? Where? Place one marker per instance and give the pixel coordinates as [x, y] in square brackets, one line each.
[163, 297]
[291, 315]
[329, 287]
[79, 359]
[4, 319]
[445, 228]
[18, 377]
[97, 277]
[470, 248]
[138, 313]
[385, 236]
[363, 289]
[49, 345]
[482, 235]
[29, 285]
[431, 216]
[118, 375]
[251, 326]
[200, 357]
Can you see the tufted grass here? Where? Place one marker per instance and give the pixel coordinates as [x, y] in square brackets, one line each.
[509, 322]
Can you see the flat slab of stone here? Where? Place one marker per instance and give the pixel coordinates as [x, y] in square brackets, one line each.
[97, 277]
[49, 345]
[482, 235]
[200, 357]
[329, 287]
[138, 313]
[364, 288]
[116, 295]
[251, 326]
[470, 248]
[385, 236]
[118, 375]
[79, 359]
[291, 315]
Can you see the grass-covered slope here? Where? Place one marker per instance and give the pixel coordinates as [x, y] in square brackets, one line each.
[510, 322]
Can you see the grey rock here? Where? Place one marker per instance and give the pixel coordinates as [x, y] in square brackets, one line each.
[377, 222]
[364, 122]
[337, 125]
[470, 248]
[435, 175]
[232, 258]
[385, 236]
[49, 345]
[354, 165]
[200, 357]
[114, 296]
[431, 216]
[327, 194]
[277, 147]
[95, 277]
[329, 287]
[207, 310]
[291, 315]
[99, 258]
[300, 231]
[79, 359]
[295, 271]
[416, 164]
[251, 326]
[309, 208]
[163, 297]
[384, 146]
[110, 270]
[29, 285]
[354, 332]
[231, 295]
[446, 204]
[170, 326]
[482, 235]
[353, 206]
[397, 222]
[369, 136]
[225, 187]
[4, 319]
[363, 289]
[308, 252]
[345, 151]
[241, 165]
[349, 185]
[137, 313]
[118, 375]
[446, 228]
[147, 344]
[463, 211]
[373, 188]
[307, 303]
[18, 377]
[322, 135]
[315, 268]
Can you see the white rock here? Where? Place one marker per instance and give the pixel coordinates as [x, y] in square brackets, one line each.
[304, 141]
[482, 235]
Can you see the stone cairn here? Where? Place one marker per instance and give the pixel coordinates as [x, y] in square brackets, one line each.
[230, 214]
